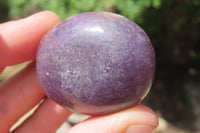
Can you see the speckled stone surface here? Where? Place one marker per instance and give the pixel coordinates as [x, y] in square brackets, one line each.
[96, 63]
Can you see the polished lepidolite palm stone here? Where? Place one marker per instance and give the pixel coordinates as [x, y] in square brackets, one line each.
[96, 63]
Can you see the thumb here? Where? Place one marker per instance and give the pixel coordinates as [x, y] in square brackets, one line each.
[139, 119]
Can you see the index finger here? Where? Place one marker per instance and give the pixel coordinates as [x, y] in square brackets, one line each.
[19, 39]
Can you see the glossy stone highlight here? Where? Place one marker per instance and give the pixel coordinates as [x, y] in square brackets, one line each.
[96, 63]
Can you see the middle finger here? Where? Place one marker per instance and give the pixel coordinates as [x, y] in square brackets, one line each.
[18, 95]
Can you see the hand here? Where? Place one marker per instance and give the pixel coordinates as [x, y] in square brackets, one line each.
[18, 43]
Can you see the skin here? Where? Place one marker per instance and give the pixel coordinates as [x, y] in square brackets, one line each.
[18, 43]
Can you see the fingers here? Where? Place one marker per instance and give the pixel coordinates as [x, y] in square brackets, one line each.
[47, 118]
[139, 119]
[19, 39]
[18, 95]
[21, 93]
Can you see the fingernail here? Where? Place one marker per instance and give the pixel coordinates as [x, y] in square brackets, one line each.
[139, 129]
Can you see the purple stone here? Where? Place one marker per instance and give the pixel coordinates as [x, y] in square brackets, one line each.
[96, 63]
